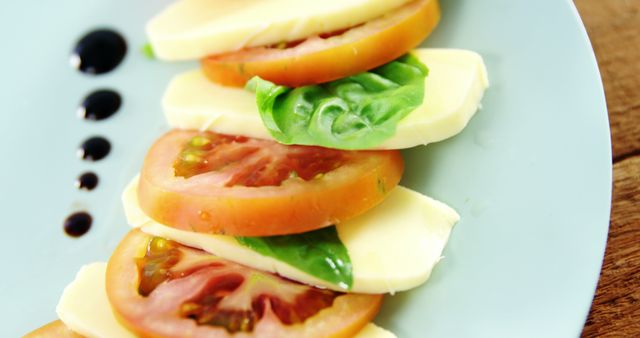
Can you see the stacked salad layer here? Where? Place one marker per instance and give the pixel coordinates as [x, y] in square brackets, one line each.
[271, 208]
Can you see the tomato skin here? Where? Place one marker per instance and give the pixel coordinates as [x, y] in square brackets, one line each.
[200, 204]
[55, 329]
[336, 60]
[143, 316]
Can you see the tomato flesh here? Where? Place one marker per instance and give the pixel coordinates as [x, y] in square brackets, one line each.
[329, 56]
[202, 295]
[249, 187]
[253, 162]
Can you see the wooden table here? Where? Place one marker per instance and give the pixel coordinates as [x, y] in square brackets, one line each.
[614, 29]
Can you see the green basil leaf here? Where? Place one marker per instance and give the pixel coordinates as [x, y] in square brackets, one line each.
[357, 112]
[147, 50]
[319, 253]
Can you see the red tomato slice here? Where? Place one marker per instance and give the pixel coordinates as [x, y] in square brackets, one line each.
[206, 182]
[331, 56]
[55, 329]
[159, 288]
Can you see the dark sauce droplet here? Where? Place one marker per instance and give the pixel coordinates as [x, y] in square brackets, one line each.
[77, 224]
[99, 52]
[100, 105]
[94, 149]
[87, 181]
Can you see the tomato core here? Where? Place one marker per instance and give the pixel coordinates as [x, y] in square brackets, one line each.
[155, 266]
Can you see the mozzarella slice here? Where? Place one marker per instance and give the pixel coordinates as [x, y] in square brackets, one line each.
[393, 247]
[85, 309]
[372, 330]
[84, 306]
[192, 29]
[453, 91]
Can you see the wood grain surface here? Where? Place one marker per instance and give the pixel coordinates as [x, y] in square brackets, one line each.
[614, 30]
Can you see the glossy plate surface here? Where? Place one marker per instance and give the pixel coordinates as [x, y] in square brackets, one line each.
[530, 176]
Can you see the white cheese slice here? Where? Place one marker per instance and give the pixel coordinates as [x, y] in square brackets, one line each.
[191, 29]
[84, 306]
[372, 330]
[85, 309]
[393, 247]
[453, 91]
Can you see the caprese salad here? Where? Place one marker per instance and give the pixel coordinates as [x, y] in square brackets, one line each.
[272, 206]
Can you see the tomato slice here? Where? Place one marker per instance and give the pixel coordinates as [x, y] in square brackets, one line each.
[332, 56]
[159, 288]
[55, 329]
[212, 183]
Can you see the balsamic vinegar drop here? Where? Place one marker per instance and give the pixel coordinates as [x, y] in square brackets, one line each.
[100, 105]
[99, 52]
[77, 224]
[87, 181]
[94, 149]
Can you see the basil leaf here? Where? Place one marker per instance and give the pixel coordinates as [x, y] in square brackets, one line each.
[357, 112]
[147, 50]
[319, 253]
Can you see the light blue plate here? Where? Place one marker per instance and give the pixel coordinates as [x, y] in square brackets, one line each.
[530, 176]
